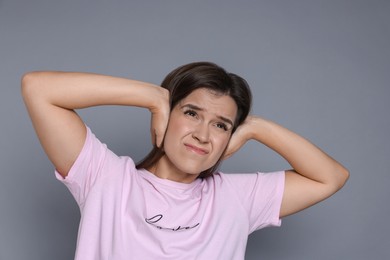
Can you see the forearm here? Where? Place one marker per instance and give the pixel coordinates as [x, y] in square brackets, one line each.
[306, 159]
[52, 97]
[72, 90]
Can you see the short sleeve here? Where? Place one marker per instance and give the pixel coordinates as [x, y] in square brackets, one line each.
[86, 169]
[261, 196]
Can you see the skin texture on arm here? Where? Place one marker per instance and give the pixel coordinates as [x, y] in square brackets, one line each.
[52, 97]
[315, 175]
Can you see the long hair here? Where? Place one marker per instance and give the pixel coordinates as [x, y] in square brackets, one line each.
[185, 79]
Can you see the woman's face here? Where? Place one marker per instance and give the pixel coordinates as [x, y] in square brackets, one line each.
[198, 132]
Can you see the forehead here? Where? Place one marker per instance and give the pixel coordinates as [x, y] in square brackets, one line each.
[212, 102]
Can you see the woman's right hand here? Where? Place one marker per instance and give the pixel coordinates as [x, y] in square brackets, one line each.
[159, 117]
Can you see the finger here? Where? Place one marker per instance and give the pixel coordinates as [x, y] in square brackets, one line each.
[152, 132]
[159, 140]
[159, 137]
[226, 156]
[228, 152]
[160, 133]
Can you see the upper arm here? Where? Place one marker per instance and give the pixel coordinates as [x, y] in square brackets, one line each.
[61, 131]
[301, 192]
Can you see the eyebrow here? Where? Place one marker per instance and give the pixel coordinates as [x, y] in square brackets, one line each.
[195, 107]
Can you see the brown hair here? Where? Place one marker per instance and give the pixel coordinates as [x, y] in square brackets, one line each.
[187, 78]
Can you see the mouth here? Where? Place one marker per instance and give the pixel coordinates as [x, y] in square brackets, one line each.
[196, 149]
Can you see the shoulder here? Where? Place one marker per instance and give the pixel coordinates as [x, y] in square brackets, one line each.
[247, 184]
[97, 159]
[237, 178]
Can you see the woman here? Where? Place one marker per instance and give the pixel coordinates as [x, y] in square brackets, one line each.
[174, 204]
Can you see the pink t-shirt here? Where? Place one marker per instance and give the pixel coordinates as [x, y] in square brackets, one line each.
[132, 214]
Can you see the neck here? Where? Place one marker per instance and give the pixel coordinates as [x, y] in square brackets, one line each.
[164, 169]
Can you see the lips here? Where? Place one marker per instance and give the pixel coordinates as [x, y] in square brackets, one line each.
[196, 149]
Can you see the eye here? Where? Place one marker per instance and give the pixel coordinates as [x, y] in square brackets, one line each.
[191, 113]
[222, 126]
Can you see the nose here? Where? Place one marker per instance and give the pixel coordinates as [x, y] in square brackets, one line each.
[201, 133]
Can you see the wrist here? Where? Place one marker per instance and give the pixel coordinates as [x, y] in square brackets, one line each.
[159, 99]
[257, 127]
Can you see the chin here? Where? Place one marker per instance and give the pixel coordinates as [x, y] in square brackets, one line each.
[188, 165]
[191, 170]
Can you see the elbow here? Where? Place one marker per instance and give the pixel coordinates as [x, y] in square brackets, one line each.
[342, 176]
[344, 173]
[28, 85]
[346, 176]
[336, 182]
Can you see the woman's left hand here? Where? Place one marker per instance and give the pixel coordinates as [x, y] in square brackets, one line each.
[239, 138]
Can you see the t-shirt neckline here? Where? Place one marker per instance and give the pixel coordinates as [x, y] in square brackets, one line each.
[172, 184]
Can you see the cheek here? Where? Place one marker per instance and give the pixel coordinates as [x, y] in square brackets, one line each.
[221, 144]
[174, 123]
[176, 128]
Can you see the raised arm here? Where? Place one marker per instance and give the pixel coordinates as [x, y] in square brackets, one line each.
[315, 175]
[52, 97]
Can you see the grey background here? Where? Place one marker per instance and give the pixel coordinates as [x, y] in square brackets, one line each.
[320, 68]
